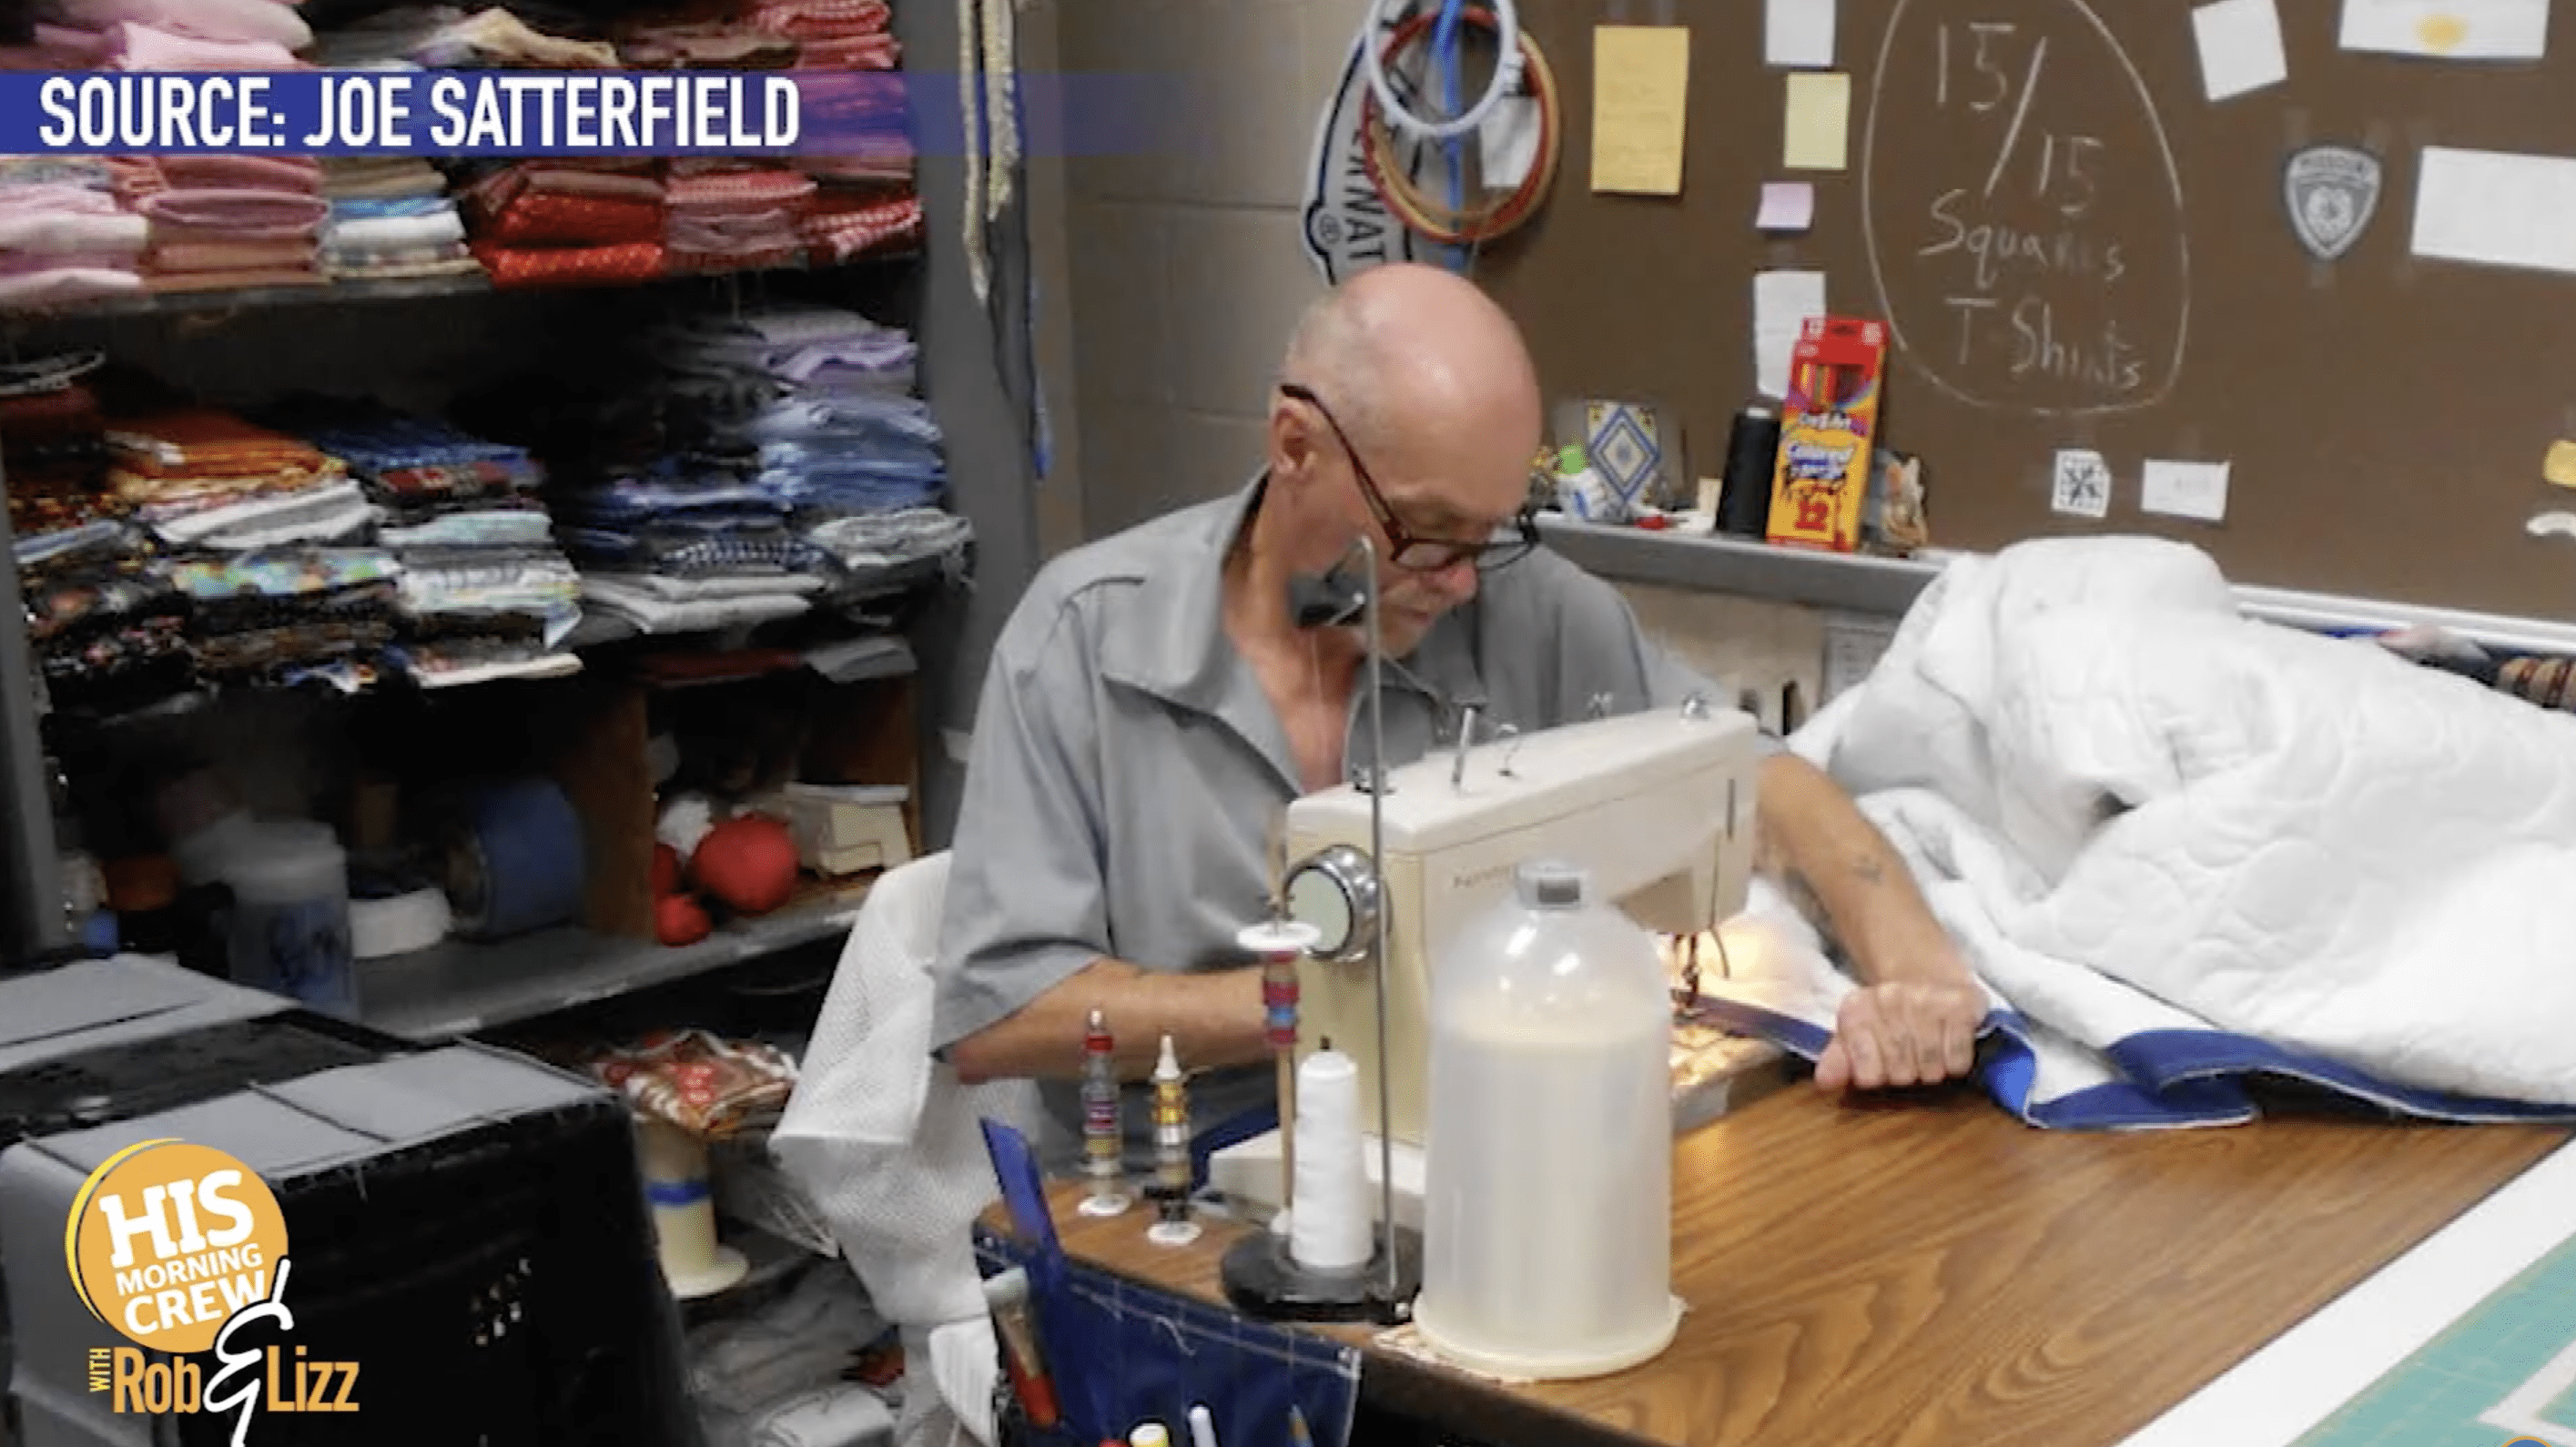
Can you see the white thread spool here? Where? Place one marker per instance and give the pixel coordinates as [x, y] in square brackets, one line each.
[684, 1214]
[1329, 1226]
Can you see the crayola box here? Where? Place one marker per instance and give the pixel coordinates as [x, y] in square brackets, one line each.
[1821, 479]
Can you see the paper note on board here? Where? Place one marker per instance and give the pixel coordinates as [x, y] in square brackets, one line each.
[1782, 302]
[2081, 485]
[2448, 29]
[1798, 34]
[2496, 208]
[2558, 465]
[1786, 206]
[1640, 98]
[1816, 133]
[2185, 489]
[2240, 47]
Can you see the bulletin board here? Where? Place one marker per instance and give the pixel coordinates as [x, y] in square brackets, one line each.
[2078, 248]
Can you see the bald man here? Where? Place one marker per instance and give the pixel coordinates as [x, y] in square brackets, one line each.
[1151, 705]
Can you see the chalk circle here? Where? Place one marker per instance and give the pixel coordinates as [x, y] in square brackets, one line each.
[220, 1238]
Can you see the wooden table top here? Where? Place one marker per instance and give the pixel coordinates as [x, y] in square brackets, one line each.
[1929, 1273]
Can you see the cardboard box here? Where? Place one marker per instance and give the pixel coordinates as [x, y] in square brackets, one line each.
[1821, 479]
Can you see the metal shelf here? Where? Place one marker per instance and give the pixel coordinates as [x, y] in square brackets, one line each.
[458, 987]
[1862, 583]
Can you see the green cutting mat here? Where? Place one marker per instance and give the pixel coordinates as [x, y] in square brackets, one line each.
[2433, 1398]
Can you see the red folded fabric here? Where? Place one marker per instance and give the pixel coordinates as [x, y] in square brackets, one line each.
[546, 220]
[570, 265]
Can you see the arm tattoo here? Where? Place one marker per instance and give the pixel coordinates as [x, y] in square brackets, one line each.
[1771, 860]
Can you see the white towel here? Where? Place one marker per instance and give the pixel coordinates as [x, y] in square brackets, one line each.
[885, 1141]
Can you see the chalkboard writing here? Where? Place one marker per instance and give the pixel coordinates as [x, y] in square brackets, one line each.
[2041, 267]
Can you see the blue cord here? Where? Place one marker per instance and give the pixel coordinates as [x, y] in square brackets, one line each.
[1444, 50]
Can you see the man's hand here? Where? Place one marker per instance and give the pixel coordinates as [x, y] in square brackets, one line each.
[1902, 1034]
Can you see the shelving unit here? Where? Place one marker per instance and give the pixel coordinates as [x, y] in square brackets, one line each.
[462, 988]
[967, 350]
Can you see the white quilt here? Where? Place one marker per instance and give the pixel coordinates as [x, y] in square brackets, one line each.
[2183, 847]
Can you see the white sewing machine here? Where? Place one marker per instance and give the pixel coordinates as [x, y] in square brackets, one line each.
[1657, 806]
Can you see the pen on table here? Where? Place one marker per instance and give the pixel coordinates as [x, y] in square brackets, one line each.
[1202, 1426]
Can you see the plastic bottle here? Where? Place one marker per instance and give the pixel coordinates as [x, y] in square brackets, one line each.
[290, 914]
[1547, 1204]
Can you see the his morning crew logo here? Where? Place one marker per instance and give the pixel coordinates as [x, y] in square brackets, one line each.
[182, 1249]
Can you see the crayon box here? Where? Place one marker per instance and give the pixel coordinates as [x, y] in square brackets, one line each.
[1821, 480]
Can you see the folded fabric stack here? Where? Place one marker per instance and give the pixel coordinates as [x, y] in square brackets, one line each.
[64, 234]
[444, 36]
[106, 631]
[728, 215]
[819, 402]
[833, 34]
[126, 45]
[228, 221]
[703, 42]
[850, 221]
[55, 47]
[265, 537]
[202, 478]
[566, 223]
[289, 615]
[688, 543]
[484, 590]
[391, 217]
[271, 23]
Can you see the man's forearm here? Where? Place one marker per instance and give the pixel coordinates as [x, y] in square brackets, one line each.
[1817, 844]
[1214, 1019]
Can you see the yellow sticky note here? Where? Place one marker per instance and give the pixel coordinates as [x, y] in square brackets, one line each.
[1640, 97]
[2559, 467]
[1817, 132]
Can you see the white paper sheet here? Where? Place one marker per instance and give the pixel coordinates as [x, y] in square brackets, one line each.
[2081, 485]
[2496, 208]
[1786, 206]
[1798, 33]
[2185, 489]
[2281, 1392]
[2448, 29]
[1782, 302]
[2240, 47]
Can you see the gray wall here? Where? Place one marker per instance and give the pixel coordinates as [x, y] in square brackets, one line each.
[1182, 273]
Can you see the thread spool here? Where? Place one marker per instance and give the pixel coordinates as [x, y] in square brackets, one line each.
[1752, 452]
[1103, 1142]
[684, 1214]
[1329, 1228]
[1172, 1173]
[1279, 944]
[515, 860]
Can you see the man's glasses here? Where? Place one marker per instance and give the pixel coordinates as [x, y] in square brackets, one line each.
[1410, 550]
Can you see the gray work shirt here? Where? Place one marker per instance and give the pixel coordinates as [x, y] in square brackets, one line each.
[1126, 764]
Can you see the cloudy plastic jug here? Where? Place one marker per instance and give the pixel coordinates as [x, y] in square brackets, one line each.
[1548, 1151]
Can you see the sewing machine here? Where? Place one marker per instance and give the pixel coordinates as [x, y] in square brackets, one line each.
[1657, 806]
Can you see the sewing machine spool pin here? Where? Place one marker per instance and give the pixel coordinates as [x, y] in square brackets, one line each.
[1466, 741]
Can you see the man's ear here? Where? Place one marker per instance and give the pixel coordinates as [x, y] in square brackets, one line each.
[1291, 444]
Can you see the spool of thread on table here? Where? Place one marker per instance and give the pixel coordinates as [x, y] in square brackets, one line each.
[1752, 452]
[684, 1217]
[1329, 1227]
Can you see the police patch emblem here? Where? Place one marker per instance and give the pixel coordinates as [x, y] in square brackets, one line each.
[2331, 192]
